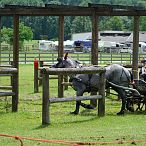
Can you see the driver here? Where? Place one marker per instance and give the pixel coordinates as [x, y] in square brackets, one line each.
[142, 73]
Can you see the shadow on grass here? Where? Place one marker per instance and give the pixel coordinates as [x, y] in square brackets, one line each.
[136, 113]
[41, 126]
[84, 113]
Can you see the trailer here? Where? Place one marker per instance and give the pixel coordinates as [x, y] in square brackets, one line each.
[45, 45]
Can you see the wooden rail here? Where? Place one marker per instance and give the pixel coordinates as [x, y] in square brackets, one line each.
[12, 72]
[77, 98]
[4, 70]
[46, 100]
[50, 57]
[6, 87]
[7, 94]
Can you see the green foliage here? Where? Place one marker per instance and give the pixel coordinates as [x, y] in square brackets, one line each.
[25, 33]
[7, 35]
[21, 2]
[81, 24]
[115, 23]
[143, 24]
[48, 26]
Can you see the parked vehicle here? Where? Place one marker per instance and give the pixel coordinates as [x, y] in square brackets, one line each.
[142, 47]
[46, 45]
[125, 50]
[82, 46]
[68, 46]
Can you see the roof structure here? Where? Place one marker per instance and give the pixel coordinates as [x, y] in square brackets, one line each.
[142, 37]
[112, 36]
[68, 10]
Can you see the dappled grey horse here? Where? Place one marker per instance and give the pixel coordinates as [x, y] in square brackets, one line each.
[115, 75]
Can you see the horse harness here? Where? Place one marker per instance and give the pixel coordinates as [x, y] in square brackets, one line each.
[88, 85]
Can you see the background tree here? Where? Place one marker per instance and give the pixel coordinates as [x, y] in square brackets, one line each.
[48, 25]
[81, 24]
[6, 35]
[115, 23]
[25, 33]
[143, 23]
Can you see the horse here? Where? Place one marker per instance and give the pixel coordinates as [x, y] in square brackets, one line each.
[117, 77]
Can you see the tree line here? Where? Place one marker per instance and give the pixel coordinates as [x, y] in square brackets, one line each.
[47, 26]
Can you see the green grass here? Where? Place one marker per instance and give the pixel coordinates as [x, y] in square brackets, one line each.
[85, 127]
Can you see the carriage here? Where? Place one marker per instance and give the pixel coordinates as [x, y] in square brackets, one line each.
[138, 97]
[117, 77]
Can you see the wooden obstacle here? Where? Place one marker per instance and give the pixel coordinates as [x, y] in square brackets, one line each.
[12, 72]
[46, 100]
[38, 76]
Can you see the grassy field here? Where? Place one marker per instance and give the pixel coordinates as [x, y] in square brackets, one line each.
[85, 127]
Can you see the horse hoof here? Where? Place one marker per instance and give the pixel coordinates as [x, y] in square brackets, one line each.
[90, 107]
[120, 113]
[74, 113]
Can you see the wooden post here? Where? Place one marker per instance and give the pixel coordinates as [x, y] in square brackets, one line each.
[65, 71]
[101, 102]
[41, 65]
[0, 38]
[60, 54]
[11, 77]
[25, 57]
[135, 47]
[45, 100]
[66, 80]
[15, 63]
[36, 85]
[61, 36]
[94, 50]
[107, 92]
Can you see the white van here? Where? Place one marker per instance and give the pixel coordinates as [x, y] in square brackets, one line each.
[125, 50]
[45, 45]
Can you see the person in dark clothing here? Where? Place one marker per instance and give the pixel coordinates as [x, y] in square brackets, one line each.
[142, 73]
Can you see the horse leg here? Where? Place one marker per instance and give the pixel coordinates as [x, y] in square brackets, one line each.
[78, 103]
[93, 102]
[123, 97]
[88, 106]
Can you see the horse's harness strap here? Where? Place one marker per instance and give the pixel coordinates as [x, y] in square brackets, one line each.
[80, 80]
[123, 71]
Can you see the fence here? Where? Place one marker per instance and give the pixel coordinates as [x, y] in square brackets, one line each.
[46, 100]
[50, 57]
[13, 73]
